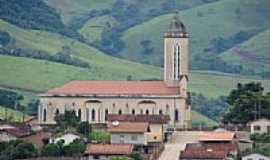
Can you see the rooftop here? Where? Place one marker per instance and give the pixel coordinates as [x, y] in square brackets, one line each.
[176, 29]
[217, 136]
[109, 149]
[156, 119]
[208, 151]
[128, 127]
[113, 88]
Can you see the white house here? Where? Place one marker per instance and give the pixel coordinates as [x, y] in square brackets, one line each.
[255, 156]
[68, 138]
[260, 126]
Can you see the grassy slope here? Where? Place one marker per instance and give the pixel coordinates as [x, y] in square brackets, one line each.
[102, 65]
[20, 72]
[254, 53]
[199, 119]
[219, 20]
[12, 115]
[68, 9]
[93, 28]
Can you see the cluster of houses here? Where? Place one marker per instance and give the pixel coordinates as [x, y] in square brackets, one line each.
[142, 134]
[226, 145]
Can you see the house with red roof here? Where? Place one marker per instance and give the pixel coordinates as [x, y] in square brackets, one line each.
[93, 100]
[105, 151]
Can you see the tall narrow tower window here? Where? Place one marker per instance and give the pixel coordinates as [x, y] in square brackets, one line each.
[176, 62]
[93, 115]
[44, 115]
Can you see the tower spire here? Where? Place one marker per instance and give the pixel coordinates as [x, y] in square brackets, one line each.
[177, 28]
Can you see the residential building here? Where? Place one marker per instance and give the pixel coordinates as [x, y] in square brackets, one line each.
[105, 151]
[260, 126]
[255, 156]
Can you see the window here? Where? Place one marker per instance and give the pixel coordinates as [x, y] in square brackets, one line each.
[79, 114]
[87, 114]
[268, 129]
[57, 112]
[160, 112]
[176, 115]
[133, 111]
[147, 112]
[106, 114]
[120, 112]
[167, 109]
[96, 157]
[134, 137]
[176, 62]
[122, 137]
[257, 128]
[44, 115]
[141, 111]
[93, 115]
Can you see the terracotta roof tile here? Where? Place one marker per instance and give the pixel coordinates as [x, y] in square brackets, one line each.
[115, 87]
[109, 149]
[208, 151]
[128, 127]
[157, 119]
[217, 136]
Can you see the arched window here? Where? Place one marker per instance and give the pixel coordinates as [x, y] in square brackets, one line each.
[87, 114]
[80, 113]
[120, 112]
[44, 115]
[160, 112]
[106, 114]
[57, 112]
[93, 115]
[167, 109]
[133, 111]
[147, 112]
[176, 115]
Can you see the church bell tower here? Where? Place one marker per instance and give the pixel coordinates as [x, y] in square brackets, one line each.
[176, 41]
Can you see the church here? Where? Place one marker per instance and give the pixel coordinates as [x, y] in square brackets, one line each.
[94, 100]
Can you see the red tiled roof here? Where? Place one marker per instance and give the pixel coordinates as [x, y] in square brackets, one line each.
[115, 87]
[109, 149]
[156, 119]
[208, 151]
[217, 136]
[128, 127]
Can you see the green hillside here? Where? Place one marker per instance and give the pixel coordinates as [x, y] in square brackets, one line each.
[205, 23]
[102, 65]
[69, 10]
[11, 115]
[198, 119]
[252, 54]
[93, 28]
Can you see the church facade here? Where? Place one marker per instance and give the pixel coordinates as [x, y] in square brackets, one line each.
[94, 100]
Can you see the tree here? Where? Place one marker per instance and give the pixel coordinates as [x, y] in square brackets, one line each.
[75, 148]
[84, 128]
[51, 150]
[147, 46]
[4, 38]
[68, 119]
[247, 103]
[17, 149]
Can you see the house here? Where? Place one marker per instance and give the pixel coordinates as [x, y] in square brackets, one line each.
[217, 137]
[145, 141]
[255, 156]
[93, 100]
[157, 123]
[209, 151]
[67, 138]
[11, 132]
[260, 126]
[129, 132]
[105, 151]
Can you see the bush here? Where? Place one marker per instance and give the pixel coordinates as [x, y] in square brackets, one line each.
[76, 147]
[100, 136]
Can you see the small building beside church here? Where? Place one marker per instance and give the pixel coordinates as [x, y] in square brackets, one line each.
[94, 100]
